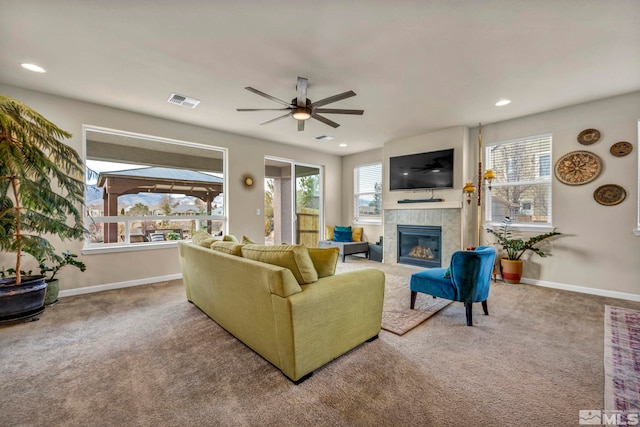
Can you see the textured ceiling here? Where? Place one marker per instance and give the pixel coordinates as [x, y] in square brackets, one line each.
[416, 66]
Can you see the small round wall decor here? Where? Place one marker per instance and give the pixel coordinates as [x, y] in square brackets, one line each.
[609, 194]
[621, 149]
[578, 167]
[589, 136]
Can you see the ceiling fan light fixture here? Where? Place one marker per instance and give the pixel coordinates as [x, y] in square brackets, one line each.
[301, 113]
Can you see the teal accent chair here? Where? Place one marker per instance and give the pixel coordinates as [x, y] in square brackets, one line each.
[467, 280]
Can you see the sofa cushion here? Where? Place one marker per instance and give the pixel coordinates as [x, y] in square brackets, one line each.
[324, 260]
[294, 257]
[231, 248]
[204, 239]
[230, 238]
[329, 232]
[356, 234]
[246, 241]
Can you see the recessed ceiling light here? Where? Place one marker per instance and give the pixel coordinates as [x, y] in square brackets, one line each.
[33, 67]
[503, 102]
[342, 145]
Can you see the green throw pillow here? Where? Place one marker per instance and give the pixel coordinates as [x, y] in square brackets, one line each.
[204, 239]
[230, 238]
[447, 274]
[324, 260]
[294, 257]
[231, 248]
[246, 240]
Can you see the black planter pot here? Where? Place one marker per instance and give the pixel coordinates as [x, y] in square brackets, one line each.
[21, 301]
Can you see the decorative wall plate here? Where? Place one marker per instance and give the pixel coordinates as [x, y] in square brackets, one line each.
[609, 194]
[621, 149]
[578, 167]
[589, 136]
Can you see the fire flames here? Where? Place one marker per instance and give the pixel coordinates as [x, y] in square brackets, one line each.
[421, 252]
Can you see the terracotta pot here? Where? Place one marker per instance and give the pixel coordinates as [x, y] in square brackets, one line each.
[510, 270]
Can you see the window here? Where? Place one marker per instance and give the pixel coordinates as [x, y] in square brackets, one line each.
[522, 188]
[147, 192]
[368, 193]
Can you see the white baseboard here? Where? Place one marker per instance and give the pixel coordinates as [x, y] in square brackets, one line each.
[583, 289]
[118, 285]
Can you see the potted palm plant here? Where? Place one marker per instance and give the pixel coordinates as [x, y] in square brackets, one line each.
[41, 188]
[511, 265]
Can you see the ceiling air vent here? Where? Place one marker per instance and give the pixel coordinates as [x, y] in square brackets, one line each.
[323, 138]
[185, 101]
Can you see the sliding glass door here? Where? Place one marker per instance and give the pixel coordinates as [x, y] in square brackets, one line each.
[293, 202]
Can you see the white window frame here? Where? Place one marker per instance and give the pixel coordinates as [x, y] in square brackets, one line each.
[527, 227]
[98, 248]
[356, 197]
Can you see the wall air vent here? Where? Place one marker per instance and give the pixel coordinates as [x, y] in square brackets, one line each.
[323, 138]
[182, 100]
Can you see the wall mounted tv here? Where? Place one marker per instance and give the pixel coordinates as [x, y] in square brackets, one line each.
[430, 170]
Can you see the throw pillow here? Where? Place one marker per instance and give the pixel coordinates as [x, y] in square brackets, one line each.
[324, 260]
[447, 274]
[341, 236]
[356, 234]
[230, 238]
[231, 248]
[340, 228]
[328, 234]
[246, 240]
[202, 238]
[294, 257]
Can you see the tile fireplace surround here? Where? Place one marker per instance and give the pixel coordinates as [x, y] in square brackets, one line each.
[448, 219]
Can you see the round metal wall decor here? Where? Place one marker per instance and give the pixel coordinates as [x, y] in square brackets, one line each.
[609, 194]
[589, 136]
[621, 149]
[578, 167]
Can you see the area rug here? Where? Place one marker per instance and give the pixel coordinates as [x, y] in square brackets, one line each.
[621, 359]
[397, 317]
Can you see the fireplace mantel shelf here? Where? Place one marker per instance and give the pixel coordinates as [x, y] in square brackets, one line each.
[432, 205]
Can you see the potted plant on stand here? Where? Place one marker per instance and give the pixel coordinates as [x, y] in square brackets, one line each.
[511, 265]
[41, 188]
[49, 270]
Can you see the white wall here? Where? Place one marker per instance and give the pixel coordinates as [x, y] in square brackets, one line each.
[599, 250]
[246, 155]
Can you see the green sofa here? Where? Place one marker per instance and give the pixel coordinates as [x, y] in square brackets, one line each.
[298, 328]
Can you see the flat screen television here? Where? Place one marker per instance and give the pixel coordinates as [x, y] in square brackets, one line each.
[430, 170]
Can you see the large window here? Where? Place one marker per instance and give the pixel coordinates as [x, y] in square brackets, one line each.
[522, 188]
[368, 193]
[145, 191]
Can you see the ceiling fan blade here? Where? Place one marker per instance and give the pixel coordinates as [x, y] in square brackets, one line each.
[262, 109]
[339, 111]
[257, 92]
[277, 118]
[302, 92]
[325, 120]
[300, 125]
[334, 98]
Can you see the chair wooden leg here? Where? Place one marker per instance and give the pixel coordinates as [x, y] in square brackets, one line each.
[468, 309]
[484, 307]
[413, 299]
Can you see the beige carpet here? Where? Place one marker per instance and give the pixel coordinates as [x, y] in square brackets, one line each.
[143, 356]
[397, 317]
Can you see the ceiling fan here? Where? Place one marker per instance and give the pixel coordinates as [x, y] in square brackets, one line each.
[302, 108]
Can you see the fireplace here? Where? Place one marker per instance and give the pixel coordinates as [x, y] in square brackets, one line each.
[420, 245]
